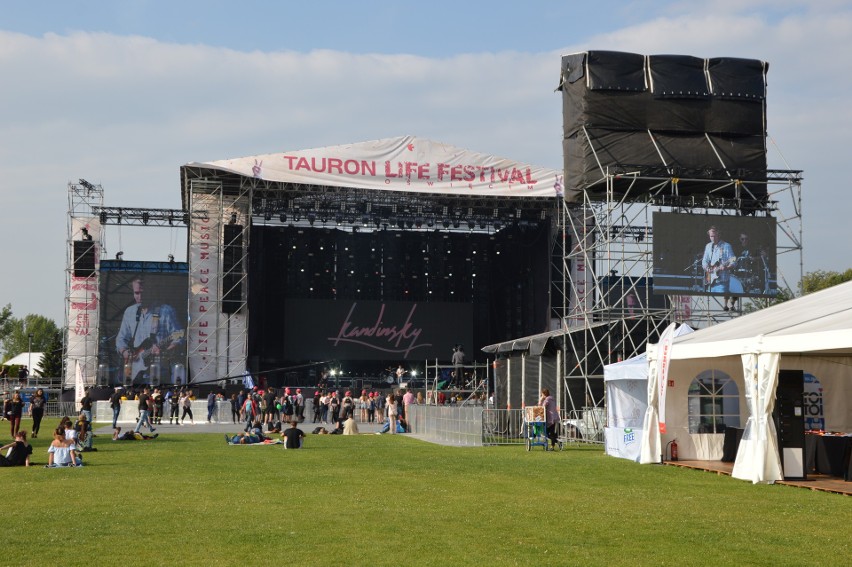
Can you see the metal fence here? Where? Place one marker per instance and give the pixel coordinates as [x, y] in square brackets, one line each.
[474, 426]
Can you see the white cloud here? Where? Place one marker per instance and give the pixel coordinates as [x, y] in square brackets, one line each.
[129, 111]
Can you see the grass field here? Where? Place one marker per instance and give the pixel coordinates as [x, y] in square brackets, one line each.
[190, 499]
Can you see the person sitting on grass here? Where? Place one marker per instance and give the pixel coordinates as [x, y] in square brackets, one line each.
[350, 427]
[62, 452]
[19, 452]
[400, 426]
[117, 435]
[293, 436]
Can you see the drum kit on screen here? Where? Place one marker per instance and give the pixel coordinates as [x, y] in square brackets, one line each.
[746, 276]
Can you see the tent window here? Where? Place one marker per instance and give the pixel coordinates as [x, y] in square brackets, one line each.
[714, 403]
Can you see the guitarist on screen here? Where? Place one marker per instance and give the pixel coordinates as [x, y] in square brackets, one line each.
[718, 260]
[147, 334]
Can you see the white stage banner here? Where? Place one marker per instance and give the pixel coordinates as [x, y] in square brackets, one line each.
[405, 163]
[83, 307]
[204, 298]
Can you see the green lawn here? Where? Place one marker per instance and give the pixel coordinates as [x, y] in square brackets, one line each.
[190, 499]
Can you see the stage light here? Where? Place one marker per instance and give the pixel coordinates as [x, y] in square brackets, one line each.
[471, 224]
[311, 218]
[456, 222]
[446, 223]
[171, 258]
[186, 218]
[482, 223]
[267, 216]
[118, 256]
[234, 219]
[145, 217]
[338, 219]
[365, 220]
[409, 223]
[498, 225]
[103, 217]
[430, 222]
[282, 217]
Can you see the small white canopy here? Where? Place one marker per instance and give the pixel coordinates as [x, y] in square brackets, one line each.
[25, 359]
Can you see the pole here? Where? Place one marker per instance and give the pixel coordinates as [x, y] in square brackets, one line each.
[29, 356]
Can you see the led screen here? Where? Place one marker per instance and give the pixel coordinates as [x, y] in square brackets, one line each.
[143, 326]
[717, 255]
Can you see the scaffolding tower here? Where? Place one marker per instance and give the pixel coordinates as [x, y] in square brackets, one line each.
[607, 270]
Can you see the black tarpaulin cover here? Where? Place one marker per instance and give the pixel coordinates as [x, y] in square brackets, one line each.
[700, 118]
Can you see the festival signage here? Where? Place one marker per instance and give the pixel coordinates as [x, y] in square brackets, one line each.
[405, 163]
[83, 309]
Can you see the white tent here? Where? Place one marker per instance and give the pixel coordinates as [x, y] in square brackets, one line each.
[626, 402]
[811, 333]
[25, 359]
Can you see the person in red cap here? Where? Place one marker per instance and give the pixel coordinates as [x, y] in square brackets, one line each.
[300, 405]
[347, 406]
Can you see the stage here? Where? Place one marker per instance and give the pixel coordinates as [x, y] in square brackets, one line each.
[814, 481]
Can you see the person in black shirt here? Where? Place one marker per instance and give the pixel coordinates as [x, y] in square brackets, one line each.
[293, 436]
[20, 452]
[86, 406]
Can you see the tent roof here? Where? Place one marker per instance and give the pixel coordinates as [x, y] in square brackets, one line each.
[535, 344]
[25, 358]
[819, 322]
[404, 163]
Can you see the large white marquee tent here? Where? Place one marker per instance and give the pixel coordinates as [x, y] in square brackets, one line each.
[811, 333]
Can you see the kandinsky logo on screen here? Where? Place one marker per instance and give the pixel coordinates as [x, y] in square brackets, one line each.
[393, 337]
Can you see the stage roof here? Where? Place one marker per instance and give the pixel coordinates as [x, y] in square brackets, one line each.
[403, 164]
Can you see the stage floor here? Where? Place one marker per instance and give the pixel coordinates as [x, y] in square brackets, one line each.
[815, 481]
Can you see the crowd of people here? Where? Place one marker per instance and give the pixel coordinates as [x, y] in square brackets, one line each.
[265, 412]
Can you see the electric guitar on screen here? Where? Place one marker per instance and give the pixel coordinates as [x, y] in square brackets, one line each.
[140, 357]
[711, 274]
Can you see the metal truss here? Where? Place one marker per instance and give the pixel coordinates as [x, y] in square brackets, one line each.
[607, 266]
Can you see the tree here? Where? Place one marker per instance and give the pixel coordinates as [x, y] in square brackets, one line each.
[51, 362]
[821, 279]
[811, 282]
[5, 318]
[17, 339]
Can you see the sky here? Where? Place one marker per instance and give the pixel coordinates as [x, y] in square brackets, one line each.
[124, 93]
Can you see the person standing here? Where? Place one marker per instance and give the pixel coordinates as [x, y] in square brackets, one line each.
[458, 366]
[23, 375]
[551, 416]
[147, 331]
[144, 415]
[211, 405]
[115, 404]
[300, 405]
[14, 412]
[36, 411]
[235, 408]
[86, 406]
[393, 412]
[717, 262]
[186, 404]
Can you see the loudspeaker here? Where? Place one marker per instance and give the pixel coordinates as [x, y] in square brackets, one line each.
[232, 268]
[84, 258]
[620, 110]
[789, 416]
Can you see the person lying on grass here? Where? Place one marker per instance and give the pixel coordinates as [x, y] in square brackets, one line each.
[117, 435]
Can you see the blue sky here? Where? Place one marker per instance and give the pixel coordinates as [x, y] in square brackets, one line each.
[124, 93]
